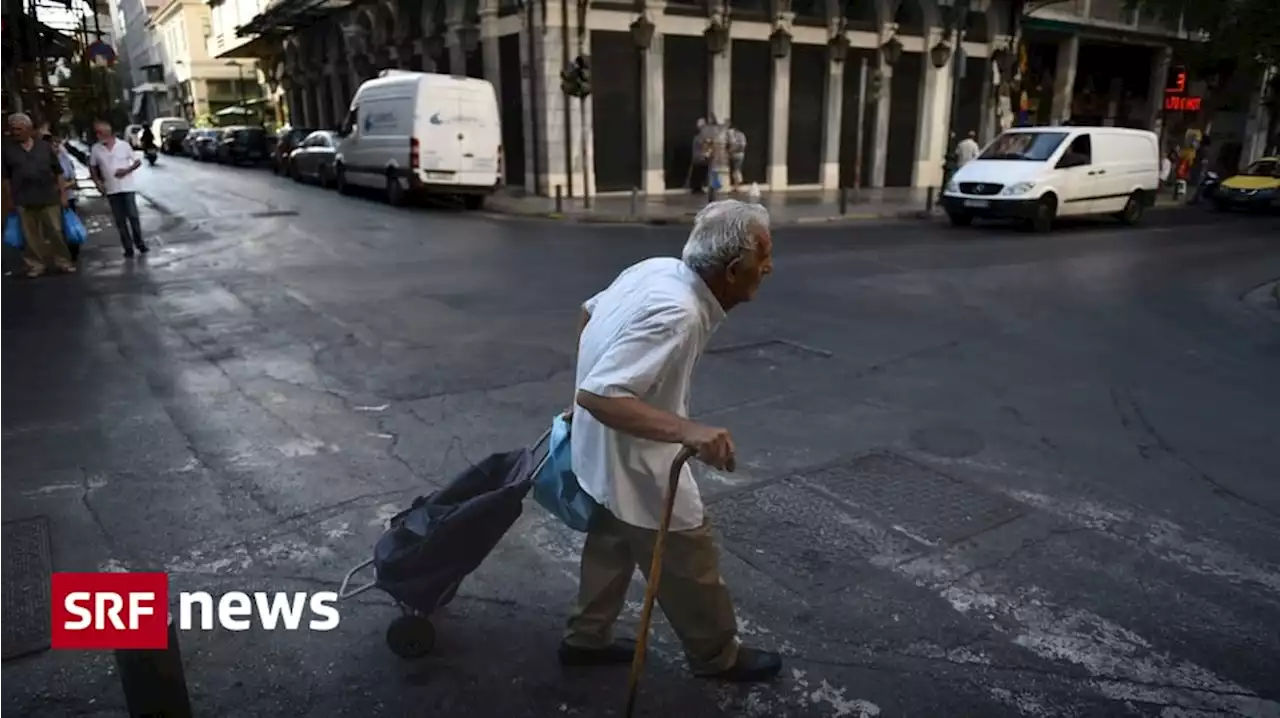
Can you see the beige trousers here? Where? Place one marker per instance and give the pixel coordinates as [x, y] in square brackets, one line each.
[692, 594]
[44, 247]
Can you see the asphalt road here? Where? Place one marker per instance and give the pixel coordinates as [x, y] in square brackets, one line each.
[982, 473]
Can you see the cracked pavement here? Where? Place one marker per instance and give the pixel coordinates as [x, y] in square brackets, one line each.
[982, 473]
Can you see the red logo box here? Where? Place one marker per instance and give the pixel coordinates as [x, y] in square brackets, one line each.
[110, 611]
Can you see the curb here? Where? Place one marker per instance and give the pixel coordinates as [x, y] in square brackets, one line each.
[686, 219]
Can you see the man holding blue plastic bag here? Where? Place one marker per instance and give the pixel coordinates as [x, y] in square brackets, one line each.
[33, 184]
[638, 344]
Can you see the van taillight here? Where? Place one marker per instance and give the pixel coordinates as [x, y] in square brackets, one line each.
[413, 153]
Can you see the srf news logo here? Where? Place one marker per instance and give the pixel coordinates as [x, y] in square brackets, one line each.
[131, 611]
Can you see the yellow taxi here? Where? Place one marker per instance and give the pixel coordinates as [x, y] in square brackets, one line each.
[1258, 187]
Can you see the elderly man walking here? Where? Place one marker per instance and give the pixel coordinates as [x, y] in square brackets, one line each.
[112, 164]
[33, 183]
[638, 343]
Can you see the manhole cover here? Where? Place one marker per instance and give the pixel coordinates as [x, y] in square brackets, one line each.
[28, 572]
[274, 213]
[804, 541]
[917, 501]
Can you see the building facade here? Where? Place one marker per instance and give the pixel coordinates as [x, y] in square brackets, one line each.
[198, 85]
[829, 93]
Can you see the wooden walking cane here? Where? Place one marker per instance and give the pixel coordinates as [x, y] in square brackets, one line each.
[655, 573]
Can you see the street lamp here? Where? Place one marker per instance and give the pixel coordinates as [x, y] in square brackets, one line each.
[780, 41]
[642, 32]
[892, 51]
[717, 35]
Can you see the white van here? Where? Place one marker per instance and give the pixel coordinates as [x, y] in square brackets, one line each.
[1041, 173]
[422, 132]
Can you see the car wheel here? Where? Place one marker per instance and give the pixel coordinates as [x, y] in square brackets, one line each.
[1046, 211]
[960, 219]
[395, 191]
[340, 180]
[1132, 211]
[473, 201]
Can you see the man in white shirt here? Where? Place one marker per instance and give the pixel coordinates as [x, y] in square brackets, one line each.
[638, 343]
[967, 150]
[112, 164]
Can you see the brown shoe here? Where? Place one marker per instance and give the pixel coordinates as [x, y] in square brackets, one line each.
[752, 666]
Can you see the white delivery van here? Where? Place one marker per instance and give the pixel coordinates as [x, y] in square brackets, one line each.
[422, 132]
[1041, 173]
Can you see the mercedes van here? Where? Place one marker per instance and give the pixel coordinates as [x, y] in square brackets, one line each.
[424, 133]
[1038, 174]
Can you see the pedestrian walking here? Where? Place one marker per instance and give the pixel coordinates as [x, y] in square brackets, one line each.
[69, 178]
[737, 154]
[717, 152]
[967, 150]
[638, 342]
[112, 164]
[33, 184]
[700, 153]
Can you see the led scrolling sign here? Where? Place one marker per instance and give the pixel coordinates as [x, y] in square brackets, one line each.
[1175, 88]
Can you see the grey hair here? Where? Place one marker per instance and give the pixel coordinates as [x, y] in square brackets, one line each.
[21, 119]
[722, 233]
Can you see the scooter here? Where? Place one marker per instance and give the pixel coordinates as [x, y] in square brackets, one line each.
[151, 155]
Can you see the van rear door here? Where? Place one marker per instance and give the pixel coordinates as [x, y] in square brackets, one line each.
[479, 134]
[439, 154]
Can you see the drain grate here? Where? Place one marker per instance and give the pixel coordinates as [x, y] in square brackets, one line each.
[274, 213]
[924, 504]
[804, 541]
[28, 573]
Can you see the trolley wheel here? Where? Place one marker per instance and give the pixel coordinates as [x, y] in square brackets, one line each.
[449, 594]
[411, 637]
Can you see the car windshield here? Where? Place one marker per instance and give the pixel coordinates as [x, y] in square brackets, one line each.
[1029, 146]
[1264, 168]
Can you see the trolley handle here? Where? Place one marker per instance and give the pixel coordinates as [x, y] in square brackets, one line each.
[344, 594]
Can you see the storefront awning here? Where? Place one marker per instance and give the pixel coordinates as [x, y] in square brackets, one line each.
[284, 16]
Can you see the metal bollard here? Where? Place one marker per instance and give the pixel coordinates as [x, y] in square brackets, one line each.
[635, 201]
[844, 200]
[559, 199]
[928, 200]
[155, 685]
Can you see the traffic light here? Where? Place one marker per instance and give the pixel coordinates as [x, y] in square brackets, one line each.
[575, 80]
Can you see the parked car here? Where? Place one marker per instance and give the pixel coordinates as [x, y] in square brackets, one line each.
[1041, 173]
[133, 135]
[1257, 188]
[202, 144]
[287, 140]
[422, 132]
[162, 126]
[313, 158]
[173, 141]
[242, 145]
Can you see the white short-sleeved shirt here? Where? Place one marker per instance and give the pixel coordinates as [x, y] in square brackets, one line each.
[119, 156]
[646, 332]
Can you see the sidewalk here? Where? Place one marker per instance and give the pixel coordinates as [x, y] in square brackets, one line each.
[797, 207]
[786, 208]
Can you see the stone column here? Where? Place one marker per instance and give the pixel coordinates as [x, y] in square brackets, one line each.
[719, 79]
[553, 111]
[780, 114]
[880, 128]
[831, 121]
[651, 99]
[1155, 92]
[489, 45]
[989, 127]
[933, 120]
[1064, 79]
[532, 123]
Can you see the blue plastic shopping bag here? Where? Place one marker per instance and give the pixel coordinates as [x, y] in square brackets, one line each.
[72, 228]
[556, 487]
[13, 231]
